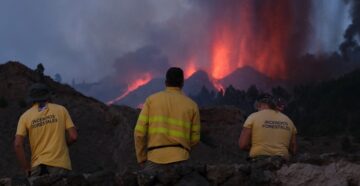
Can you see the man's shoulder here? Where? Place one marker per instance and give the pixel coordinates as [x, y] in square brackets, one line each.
[156, 95]
[284, 116]
[56, 107]
[261, 114]
[256, 114]
[28, 112]
[187, 100]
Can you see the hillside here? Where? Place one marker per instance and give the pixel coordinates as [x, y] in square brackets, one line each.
[106, 133]
[98, 125]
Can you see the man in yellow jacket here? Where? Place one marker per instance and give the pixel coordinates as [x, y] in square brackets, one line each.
[168, 126]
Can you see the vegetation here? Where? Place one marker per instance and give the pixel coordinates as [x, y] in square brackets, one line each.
[3, 102]
[22, 103]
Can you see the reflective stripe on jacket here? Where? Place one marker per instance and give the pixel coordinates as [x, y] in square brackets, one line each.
[169, 120]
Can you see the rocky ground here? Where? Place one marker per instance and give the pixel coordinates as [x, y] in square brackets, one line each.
[327, 169]
[104, 153]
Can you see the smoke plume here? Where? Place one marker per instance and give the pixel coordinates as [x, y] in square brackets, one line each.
[350, 48]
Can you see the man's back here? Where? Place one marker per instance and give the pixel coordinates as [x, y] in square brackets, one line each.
[172, 103]
[271, 133]
[172, 120]
[46, 129]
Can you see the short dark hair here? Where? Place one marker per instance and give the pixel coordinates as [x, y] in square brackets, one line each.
[267, 99]
[174, 77]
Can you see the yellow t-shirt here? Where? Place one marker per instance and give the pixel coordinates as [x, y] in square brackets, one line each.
[46, 130]
[271, 133]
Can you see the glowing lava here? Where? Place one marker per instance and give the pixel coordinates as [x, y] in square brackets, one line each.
[133, 86]
[219, 87]
[256, 35]
[190, 69]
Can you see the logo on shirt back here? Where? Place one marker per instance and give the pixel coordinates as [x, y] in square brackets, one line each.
[39, 122]
[276, 125]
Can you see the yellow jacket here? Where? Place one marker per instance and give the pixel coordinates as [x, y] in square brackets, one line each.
[167, 127]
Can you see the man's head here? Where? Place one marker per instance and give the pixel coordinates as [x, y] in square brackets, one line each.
[174, 77]
[265, 101]
[38, 92]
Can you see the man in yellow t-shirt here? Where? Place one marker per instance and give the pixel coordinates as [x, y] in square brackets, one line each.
[268, 132]
[46, 125]
[168, 126]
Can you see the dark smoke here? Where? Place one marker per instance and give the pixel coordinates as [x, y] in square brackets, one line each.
[132, 65]
[128, 68]
[190, 33]
[350, 48]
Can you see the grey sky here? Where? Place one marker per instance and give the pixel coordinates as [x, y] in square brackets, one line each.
[81, 39]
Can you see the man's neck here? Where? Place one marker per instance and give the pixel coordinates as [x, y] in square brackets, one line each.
[264, 107]
[42, 106]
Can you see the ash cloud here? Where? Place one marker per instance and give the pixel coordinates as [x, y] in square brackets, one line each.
[111, 42]
[132, 65]
[350, 48]
[78, 39]
[128, 68]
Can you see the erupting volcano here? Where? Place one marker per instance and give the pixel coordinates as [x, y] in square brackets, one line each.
[263, 35]
[260, 35]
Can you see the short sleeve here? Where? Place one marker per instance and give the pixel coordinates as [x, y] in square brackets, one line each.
[68, 122]
[249, 122]
[21, 128]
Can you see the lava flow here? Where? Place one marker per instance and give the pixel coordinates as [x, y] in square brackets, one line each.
[133, 86]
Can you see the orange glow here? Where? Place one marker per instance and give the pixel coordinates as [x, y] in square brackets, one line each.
[221, 59]
[241, 33]
[237, 42]
[133, 86]
[190, 69]
[219, 87]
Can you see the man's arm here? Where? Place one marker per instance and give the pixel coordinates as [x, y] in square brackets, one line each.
[293, 145]
[245, 139]
[72, 136]
[140, 134]
[20, 153]
[195, 128]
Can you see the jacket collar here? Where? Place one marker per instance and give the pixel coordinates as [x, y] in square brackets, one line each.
[173, 90]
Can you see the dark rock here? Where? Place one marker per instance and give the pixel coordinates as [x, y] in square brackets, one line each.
[145, 179]
[168, 176]
[267, 163]
[184, 169]
[5, 182]
[239, 178]
[200, 168]
[73, 180]
[355, 158]
[260, 177]
[46, 180]
[218, 174]
[127, 178]
[245, 168]
[192, 179]
[101, 178]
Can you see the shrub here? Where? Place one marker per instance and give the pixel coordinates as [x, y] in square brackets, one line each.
[3, 102]
[22, 103]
